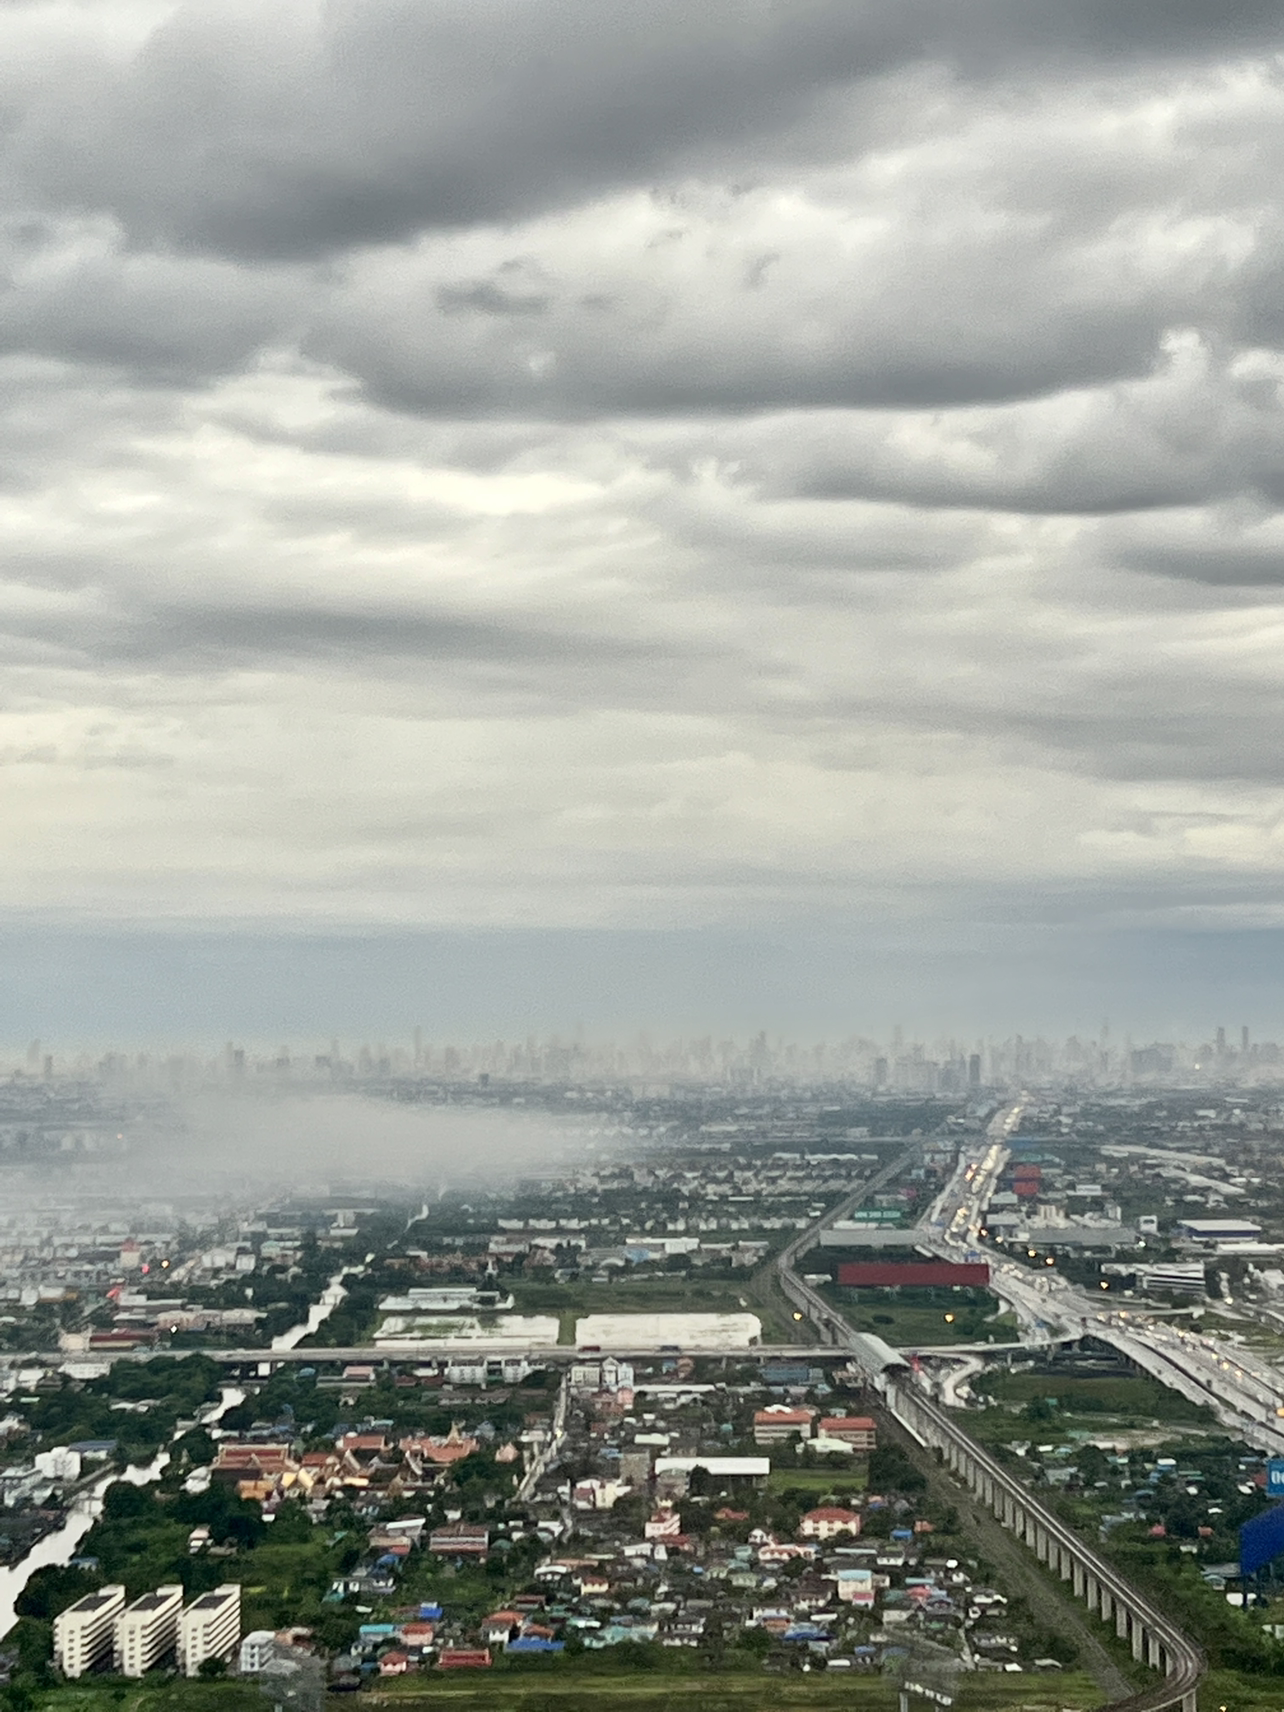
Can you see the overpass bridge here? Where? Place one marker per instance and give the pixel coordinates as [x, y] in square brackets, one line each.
[441, 1349]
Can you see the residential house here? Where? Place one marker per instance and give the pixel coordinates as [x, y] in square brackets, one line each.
[828, 1522]
[778, 1423]
[460, 1539]
[664, 1523]
[499, 1628]
[858, 1431]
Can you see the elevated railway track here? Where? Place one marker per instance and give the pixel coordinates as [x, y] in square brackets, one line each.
[1153, 1638]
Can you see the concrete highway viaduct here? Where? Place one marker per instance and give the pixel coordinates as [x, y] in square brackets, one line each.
[1154, 1640]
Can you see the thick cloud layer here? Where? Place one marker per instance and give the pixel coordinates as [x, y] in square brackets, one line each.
[541, 462]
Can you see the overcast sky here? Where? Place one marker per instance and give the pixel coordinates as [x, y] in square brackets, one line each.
[644, 481]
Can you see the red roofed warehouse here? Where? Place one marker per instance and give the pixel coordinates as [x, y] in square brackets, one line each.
[886, 1274]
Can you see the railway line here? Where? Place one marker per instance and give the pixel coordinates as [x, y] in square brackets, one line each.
[1154, 1638]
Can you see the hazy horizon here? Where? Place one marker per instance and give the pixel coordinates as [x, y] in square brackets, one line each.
[124, 990]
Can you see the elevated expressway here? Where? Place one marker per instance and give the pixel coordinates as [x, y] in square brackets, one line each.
[1244, 1393]
[1153, 1638]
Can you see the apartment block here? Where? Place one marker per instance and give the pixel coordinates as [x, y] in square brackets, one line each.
[147, 1630]
[210, 1627]
[775, 1424]
[858, 1431]
[85, 1632]
[257, 1650]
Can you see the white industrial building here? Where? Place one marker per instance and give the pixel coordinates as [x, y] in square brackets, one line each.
[660, 1332]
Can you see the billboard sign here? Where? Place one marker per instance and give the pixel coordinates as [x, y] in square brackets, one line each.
[1261, 1540]
[1275, 1477]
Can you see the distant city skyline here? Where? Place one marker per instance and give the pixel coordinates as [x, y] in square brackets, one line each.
[893, 1062]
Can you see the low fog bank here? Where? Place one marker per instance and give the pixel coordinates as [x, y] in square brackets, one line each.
[344, 1143]
[218, 1148]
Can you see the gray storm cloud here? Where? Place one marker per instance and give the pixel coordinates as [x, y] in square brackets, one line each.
[541, 464]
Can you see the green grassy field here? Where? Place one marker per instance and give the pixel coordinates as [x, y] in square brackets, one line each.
[561, 1690]
[1236, 1692]
[1142, 1398]
[178, 1695]
[925, 1328]
[819, 1480]
[815, 1692]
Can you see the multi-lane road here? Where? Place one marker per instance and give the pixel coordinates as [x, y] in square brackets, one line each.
[1245, 1391]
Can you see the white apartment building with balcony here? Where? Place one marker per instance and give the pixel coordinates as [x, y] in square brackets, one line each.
[210, 1627]
[147, 1630]
[85, 1633]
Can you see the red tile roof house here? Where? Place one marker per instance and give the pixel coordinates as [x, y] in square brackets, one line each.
[777, 1423]
[497, 1629]
[395, 1664]
[858, 1431]
[416, 1634]
[827, 1522]
[460, 1539]
[665, 1523]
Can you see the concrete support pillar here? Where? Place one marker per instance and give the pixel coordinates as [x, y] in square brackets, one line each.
[1154, 1653]
[1079, 1580]
[1138, 1640]
[1121, 1622]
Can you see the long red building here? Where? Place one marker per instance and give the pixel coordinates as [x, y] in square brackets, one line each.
[886, 1273]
